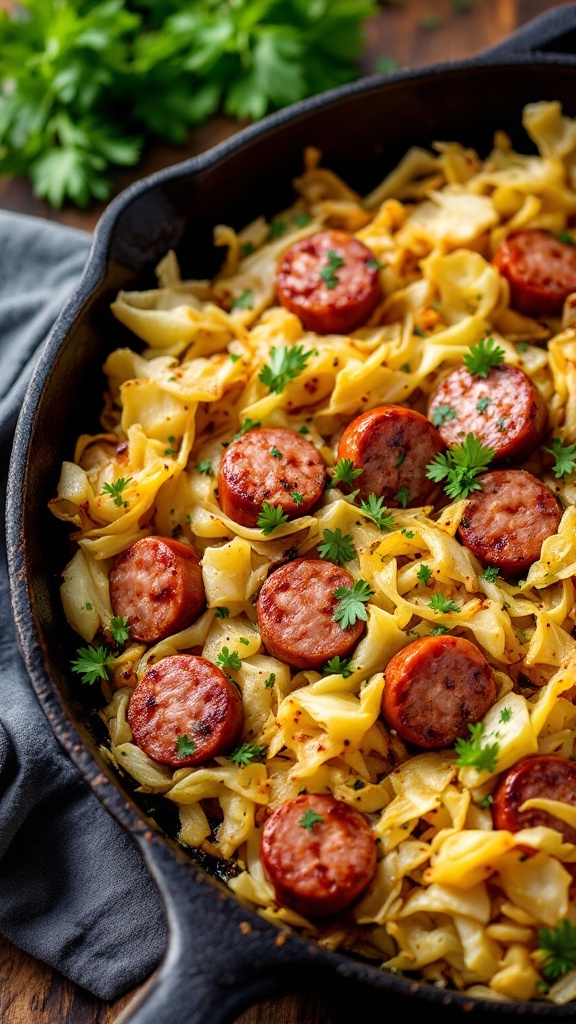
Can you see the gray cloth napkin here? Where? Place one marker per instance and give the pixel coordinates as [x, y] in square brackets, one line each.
[74, 891]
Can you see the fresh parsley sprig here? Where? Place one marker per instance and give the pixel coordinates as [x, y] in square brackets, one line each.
[459, 466]
[337, 547]
[309, 819]
[344, 472]
[559, 948]
[564, 461]
[337, 666]
[270, 518]
[185, 747]
[352, 603]
[377, 511]
[228, 659]
[286, 363]
[440, 603]
[247, 753]
[116, 489]
[328, 273]
[472, 754]
[443, 414]
[92, 663]
[483, 356]
[119, 629]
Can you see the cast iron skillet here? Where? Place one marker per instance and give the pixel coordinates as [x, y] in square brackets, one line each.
[221, 956]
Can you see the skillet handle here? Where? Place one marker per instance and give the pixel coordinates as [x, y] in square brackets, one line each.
[552, 32]
[221, 958]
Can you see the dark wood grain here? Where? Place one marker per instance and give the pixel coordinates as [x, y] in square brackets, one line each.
[30, 993]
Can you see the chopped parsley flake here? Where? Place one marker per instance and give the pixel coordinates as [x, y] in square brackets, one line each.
[309, 819]
[458, 467]
[243, 301]
[228, 659]
[328, 273]
[247, 753]
[337, 666]
[377, 511]
[471, 753]
[115, 490]
[439, 603]
[184, 746]
[119, 629]
[443, 414]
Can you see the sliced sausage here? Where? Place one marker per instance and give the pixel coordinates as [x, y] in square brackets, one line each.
[270, 464]
[505, 410]
[295, 610]
[540, 269]
[185, 711]
[544, 776]
[319, 854]
[392, 446]
[507, 520]
[330, 280]
[156, 584]
[434, 688]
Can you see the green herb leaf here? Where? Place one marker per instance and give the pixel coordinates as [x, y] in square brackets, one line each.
[439, 631]
[205, 467]
[471, 753]
[309, 819]
[377, 511]
[443, 414]
[344, 472]
[403, 496]
[228, 659]
[270, 518]
[184, 745]
[439, 603]
[559, 946]
[566, 237]
[286, 363]
[115, 490]
[243, 301]
[337, 548]
[328, 273]
[460, 465]
[351, 604]
[564, 461]
[222, 613]
[119, 629]
[337, 666]
[407, 533]
[482, 404]
[297, 497]
[301, 220]
[424, 573]
[91, 664]
[483, 356]
[247, 753]
[505, 715]
[275, 453]
[270, 681]
[491, 573]
[246, 424]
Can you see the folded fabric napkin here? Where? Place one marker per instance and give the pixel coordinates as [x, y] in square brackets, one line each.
[74, 891]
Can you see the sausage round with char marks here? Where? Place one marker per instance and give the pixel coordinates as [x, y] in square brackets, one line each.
[330, 281]
[186, 697]
[270, 464]
[434, 688]
[505, 410]
[543, 776]
[319, 853]
[156, 584]
[540, 269]
[392, 446]
[295, 610]
[506, 522]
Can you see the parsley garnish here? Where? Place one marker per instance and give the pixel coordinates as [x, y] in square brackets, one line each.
[563, 455]
[301, 219]
[471, 753]
[337, 666]
[184, 745]
[243, 301]
[204, 467]
[119, 629]
[247, 753]
[439, 603]
[443, 414]
[482, 357]
[523, 346]
[270, 518]
[246, 424]
[482, 404]
[460, 465]
[277, 229]
[328, 273]
[344, 472]
[438, 631]
[286, 363]
[502, 424]
[403, 496]
[309, 819]
[228, 659]
[247, 249]
[275, 453]
[407, 533]
[115, 490]
[270, 681]
[91, 663]
[505, 715]
[337, 548]
[375, 264]
[376, 510]
[491, 573]
[566, 237]
[222, 613]
[424, 573]
[297, 497]
[351, 604]
[419, 332]
[358, 784]
[559, 945]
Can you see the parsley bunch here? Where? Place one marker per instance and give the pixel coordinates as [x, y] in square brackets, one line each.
[85, 83]
[459, 466]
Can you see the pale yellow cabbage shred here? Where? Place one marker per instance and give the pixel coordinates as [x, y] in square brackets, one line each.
[453, 900]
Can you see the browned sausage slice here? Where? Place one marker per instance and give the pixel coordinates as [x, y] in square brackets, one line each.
[506, 522]
[156, 584]
[273, 465]
[295, 610]
[540, 269]
[544, 776]
[319, 853]
[434, 688]
[330, 280]
[505, 410]
[392, 446]
[185, 711]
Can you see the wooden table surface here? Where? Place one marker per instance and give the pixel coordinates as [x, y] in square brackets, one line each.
[414, 33]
